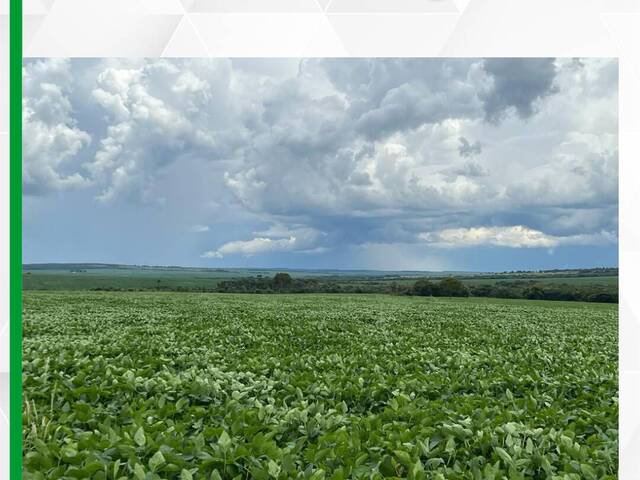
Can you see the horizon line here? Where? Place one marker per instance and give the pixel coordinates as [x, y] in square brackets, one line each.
[142, 265]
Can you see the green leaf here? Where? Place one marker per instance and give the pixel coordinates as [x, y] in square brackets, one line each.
[404, 458]
[156, 461]
[140, 437]
[215, 475]
[69, 451]
[416, 469]
[180, 404]
[318, 475]
[224, 440]
[386, 466]
[274, 469]
[434, 462]
[116, 467]
[529, 446]
[588, 471]
[424, 446]
[450, 446]
[504, 456]
[138, 471]
[185, 475]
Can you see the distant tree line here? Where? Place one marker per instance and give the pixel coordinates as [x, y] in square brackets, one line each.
[519, 289]
[547, 291]
[284, 283]
[542, 274]
[443, 287]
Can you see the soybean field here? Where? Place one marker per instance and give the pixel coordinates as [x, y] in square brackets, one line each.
[163, 385]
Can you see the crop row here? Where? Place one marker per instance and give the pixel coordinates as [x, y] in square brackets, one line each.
[161, 385]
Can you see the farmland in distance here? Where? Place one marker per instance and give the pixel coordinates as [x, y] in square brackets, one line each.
[155, 385]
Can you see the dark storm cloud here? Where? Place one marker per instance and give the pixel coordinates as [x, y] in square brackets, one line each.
[517, 83]
[389, 95]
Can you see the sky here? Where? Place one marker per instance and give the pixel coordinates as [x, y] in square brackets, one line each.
[387, 164]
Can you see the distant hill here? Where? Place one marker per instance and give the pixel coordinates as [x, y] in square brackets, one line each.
[596, 271]
[591, 284]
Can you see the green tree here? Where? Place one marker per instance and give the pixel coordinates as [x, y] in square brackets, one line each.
[534, 293]
[282, 280]
[452, 287]
[423, 287]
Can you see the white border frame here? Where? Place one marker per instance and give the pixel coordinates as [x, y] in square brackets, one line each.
[343, 28]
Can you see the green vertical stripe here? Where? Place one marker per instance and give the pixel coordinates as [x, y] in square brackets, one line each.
[15, 234]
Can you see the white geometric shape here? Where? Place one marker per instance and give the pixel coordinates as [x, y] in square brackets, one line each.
[4, 71]
[4, 334]
[4, 299]
[629, 199]
[30, 26]
[168, 7]
[324, 4]
[461, 5]
[325, 42]
[86, 9]
[4, 425]
[254, 6]
[395, 6]
[187, 4]
[102, 34]
[234, 35]
[619, 6]
[4, 255]
[34, 7]
[505, 28]
[185, 42]
[630, 428]
[624, 29]
[79, 8]
[629, 328]
[413, 35]
[4, 398]
[48, 4]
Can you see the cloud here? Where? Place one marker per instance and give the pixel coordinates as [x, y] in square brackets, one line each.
[147, 114]
[252, 247]
[159, 111]
[419, 167]
[277, 238]
[582, 171]
[468, 169]
[52, 138]
[376, 178]
[517, 83]
[199, 228]
[467, 149]
[367, 151]
[517, 236]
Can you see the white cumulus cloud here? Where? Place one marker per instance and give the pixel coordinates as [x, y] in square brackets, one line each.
[277, 238]
[517, 236]
[51, 136]
[252, 247]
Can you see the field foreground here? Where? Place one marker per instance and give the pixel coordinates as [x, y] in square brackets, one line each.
[210, 386]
